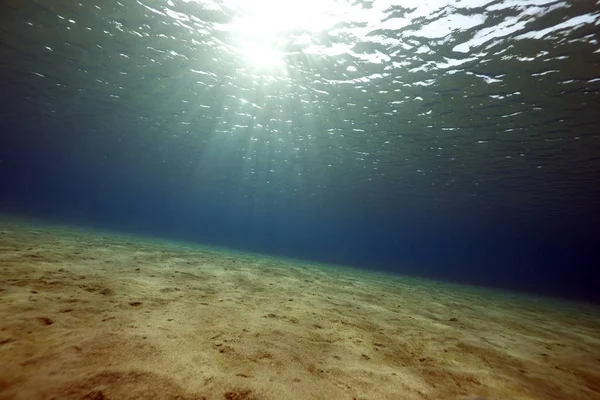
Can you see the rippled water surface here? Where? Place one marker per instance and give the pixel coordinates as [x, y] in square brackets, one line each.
[429, 104]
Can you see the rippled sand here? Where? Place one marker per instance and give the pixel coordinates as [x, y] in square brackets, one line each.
[91, 315]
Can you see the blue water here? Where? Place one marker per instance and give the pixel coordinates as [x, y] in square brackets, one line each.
[451, 139]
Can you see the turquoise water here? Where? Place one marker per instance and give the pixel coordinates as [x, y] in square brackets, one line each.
[442, 105]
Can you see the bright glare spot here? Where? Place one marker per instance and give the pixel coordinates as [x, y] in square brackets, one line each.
[262, 55]
[263, 26]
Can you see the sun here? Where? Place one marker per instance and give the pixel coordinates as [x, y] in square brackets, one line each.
[263, 55]
[263, 27]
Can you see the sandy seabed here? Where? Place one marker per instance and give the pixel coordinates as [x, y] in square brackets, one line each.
[95, 315]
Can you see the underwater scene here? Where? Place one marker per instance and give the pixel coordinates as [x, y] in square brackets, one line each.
[299, 199]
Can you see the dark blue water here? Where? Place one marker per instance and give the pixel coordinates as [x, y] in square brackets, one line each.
[450, 139]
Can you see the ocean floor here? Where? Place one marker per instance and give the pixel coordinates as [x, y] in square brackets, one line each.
[94, 315]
